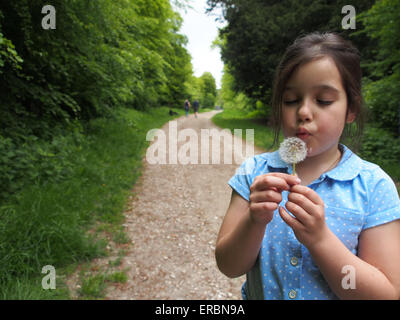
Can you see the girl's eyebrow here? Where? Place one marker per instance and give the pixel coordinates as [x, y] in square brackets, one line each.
[319, 86]
[327, 87]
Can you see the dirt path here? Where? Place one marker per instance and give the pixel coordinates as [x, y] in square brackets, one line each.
[175, 215]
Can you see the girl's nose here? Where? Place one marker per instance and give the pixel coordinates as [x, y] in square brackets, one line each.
[304, 113]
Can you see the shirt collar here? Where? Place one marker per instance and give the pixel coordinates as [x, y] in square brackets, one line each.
[347, 169]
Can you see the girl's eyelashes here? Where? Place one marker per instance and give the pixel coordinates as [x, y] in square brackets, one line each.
[321, 102]
[291, 102]
[324, 102]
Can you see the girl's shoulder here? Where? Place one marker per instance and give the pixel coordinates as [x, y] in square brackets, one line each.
[369, 172]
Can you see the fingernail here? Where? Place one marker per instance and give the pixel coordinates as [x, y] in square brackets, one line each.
[298, 180]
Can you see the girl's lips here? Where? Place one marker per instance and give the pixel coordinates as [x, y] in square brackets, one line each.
[302, 135]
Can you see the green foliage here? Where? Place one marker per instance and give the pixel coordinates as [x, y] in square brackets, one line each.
[259, 31]
[26, 288]
[379, 146]
[238, 100]
[53, 81]
[227, 93]
[382, 23]
[383, 100]
[230, 98]
[93, 286]
[33, 161]
[46, 222]
[208, 90]
[67, 157]
[382, 92]
[8, 53]
[102, 55]
[203, 89]
[266, 28]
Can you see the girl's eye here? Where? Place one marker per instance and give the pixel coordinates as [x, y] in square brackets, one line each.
[320, 102]
[324, 102]
[291, 102]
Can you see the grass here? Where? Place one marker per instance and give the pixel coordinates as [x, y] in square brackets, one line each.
[30, 288]
[93, 285]
[63, 223]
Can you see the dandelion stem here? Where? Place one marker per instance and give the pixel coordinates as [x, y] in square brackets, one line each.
[294, 169]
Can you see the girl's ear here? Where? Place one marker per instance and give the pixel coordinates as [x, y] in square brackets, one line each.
[351, 116]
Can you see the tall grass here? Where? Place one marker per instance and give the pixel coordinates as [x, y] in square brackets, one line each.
[47, 223]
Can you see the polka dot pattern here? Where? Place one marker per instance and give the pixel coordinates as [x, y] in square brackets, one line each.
[357, 195]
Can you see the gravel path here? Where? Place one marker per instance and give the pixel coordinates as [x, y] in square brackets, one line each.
[173, 221]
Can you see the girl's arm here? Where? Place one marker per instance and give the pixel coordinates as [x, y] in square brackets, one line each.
[243, 228]
[376, 269]
[239, 239]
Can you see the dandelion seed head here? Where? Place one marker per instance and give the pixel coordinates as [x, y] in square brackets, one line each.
[293, 150]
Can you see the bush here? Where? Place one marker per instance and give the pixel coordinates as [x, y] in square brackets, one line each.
[29, 160]
[380, 147]
[382, 97]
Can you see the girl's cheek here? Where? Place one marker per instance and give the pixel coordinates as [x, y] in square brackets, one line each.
[288, 121]
[330, 128]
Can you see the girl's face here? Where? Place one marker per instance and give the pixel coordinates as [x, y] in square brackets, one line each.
[314, 106]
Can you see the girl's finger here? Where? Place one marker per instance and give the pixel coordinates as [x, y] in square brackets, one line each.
[300, 214]
[290, 221]
[266, 196]
[290, 179]
[302, 201]
[263, 206]
[308, 193]
[267, 182]
[277, 180]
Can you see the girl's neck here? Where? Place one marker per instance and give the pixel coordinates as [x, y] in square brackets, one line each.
[313, 167]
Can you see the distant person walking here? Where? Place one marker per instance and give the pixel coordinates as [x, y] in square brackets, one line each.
[195, 107]
[187, 106]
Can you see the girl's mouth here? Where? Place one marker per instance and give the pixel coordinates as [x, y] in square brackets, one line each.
[303, 135]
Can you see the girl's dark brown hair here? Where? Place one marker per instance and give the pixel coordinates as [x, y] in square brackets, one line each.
[314, 46]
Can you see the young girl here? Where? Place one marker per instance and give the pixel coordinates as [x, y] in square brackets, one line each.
[332, 230]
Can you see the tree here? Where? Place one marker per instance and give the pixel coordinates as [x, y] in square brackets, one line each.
[227, 94]
[103, 55]
[382, 91]
[208, 90]
[259, 31]
[179, 68]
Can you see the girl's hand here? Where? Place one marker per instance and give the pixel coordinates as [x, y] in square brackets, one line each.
[309, 224]
[266, 194]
